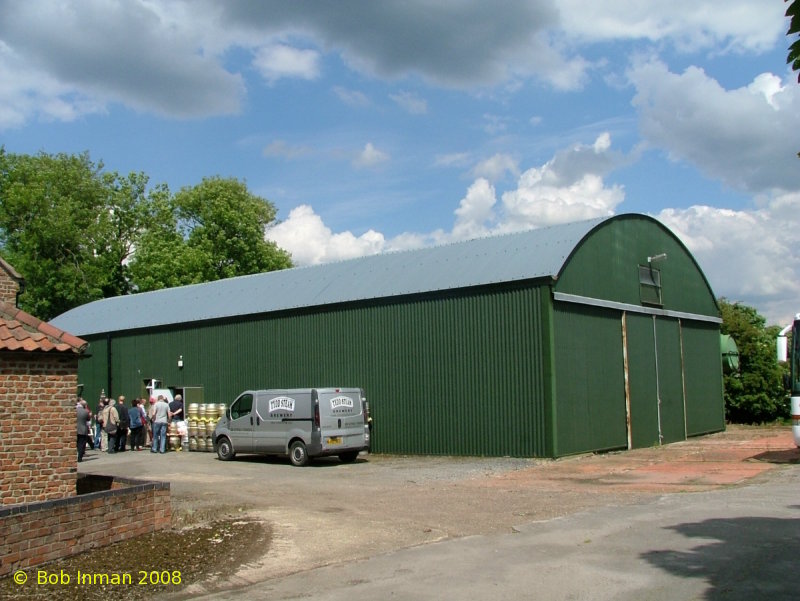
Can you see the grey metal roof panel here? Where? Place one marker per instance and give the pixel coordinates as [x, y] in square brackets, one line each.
[506, 258]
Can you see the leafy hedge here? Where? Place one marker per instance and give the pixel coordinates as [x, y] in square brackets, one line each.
[756, 394]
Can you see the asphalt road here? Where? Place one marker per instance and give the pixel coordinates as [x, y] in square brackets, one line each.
[739, 543]
[714, 517]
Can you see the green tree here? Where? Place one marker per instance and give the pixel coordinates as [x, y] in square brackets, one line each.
[61, 219]
[756, 394]
[162, 259]
[207, 232]
[793, 58]
[78, 233]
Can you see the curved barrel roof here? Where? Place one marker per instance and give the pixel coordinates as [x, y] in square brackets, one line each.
[532, 254]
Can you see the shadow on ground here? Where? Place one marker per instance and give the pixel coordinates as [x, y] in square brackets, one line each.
[780, 456]
[740, 558]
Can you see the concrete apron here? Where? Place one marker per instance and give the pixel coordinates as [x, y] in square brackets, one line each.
[697, 464]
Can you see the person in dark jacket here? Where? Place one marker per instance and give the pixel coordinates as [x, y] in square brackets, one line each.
[98, 426]
[124, 424]
[83, 416]
[136, 419]
[176, 409]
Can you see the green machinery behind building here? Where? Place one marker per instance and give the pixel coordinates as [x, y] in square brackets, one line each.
[588, 336]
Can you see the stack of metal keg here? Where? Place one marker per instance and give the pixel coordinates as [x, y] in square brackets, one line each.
[201, 420]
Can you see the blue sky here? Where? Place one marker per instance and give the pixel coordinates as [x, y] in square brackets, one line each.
[377, 126]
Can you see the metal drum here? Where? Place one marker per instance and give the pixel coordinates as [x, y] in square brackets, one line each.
[211, 411]
[193, 410]
[175, 442]
[221, 411]
[210, 444]
[192, 426]
[210, 427]
[201, 411]
[192, 443]
[201, 443]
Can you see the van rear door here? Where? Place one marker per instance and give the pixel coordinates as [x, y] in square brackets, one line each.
[341, 414]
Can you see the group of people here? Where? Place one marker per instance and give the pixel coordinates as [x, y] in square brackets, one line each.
[118, 425]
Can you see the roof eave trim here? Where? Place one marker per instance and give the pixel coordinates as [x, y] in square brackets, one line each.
[607, 304]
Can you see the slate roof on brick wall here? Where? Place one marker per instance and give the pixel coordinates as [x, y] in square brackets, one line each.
[20, 331]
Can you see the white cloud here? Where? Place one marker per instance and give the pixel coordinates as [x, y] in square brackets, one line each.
[737, 136]
[495, 124]
[351, 97]
[751, 25]
[475, 211]
[556, 192]
[370, 156]
[311, 242]
[751, 256]
[455, 159]
[280, 149]
[76, 58]
[458, 44]
[769, 86]
[168, 58]
[410, 102]
[569, 187]
[535, 203]
[279, 60]
[496, 167]
[26, 94]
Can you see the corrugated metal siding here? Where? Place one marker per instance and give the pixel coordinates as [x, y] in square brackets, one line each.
[670, 380]
[606, 266]
[705, 408]
[642, 380]
[444, 375]
[464, 371]
[590, 387]
[93, 372]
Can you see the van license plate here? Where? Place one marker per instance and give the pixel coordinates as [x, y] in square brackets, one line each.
[334, 440]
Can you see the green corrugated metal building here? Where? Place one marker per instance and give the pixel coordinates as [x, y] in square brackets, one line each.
[594, 335]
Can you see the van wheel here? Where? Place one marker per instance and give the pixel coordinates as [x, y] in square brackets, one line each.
[225, 449]
[348, 457]
[298, 454]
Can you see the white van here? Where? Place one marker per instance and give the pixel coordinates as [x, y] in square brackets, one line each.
[302, 423]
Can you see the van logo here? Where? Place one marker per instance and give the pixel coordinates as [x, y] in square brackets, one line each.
[281, 403]
[341, 401]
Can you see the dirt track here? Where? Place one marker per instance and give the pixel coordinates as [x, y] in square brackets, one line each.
[331, 512]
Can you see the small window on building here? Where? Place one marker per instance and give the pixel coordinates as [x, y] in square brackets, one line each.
[650, 285]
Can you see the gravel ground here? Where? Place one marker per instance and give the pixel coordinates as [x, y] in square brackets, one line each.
[267, 518]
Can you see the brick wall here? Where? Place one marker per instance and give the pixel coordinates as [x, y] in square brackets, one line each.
[8, 287]
[38, 459]
[36, 533]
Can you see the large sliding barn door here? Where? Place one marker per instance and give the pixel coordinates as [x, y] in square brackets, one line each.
[654, 371]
